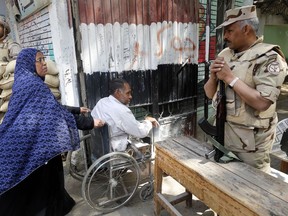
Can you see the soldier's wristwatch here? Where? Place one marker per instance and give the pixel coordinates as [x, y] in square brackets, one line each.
[231, 85]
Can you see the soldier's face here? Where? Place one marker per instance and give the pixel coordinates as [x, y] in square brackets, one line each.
[235, 37]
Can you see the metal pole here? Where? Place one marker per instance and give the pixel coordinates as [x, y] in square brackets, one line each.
[207, 50]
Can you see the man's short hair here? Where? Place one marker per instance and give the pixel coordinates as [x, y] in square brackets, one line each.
[115, 84]
[253, 22]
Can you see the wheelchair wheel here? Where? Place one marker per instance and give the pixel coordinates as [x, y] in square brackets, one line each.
[111, 181]
[77, 161]
[147, 191]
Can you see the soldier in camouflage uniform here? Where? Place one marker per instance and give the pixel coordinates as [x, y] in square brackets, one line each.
[8, 48]
[253, 73]
[8, 52]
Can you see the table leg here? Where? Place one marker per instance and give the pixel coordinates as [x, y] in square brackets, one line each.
[158, 176]
[189, 201]
[284, 166]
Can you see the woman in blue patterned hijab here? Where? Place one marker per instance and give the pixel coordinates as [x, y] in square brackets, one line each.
[35, 131]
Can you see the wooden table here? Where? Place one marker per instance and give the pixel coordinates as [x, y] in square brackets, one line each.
[232, 189]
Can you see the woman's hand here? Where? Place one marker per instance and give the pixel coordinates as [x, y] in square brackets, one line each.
[98, 123]
[84, 110]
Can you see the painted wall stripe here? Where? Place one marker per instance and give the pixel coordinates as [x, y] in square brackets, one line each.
[124, 47]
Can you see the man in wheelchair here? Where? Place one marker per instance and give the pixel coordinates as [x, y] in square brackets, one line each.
[120, 119]
[112, 180]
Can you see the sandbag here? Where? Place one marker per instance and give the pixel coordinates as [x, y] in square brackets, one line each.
[56, 92]
[51, 67]
[6, 94]
[7, 81]
[52, 81]
[1, 117]
[2, 68]
[10, 68]
[4, 107]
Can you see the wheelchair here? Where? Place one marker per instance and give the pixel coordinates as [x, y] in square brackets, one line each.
[113, 179]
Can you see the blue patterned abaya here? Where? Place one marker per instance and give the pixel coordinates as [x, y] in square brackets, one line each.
[36, 130]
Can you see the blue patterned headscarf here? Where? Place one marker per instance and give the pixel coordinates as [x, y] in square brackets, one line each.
[35, 128]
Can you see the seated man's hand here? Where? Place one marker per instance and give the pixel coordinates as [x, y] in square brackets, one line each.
[154, 122]
[98, 123]
[84, 110]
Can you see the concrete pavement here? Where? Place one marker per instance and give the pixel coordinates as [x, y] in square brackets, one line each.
[135, 207]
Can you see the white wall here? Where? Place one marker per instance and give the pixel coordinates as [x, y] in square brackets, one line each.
[269, 20]
[64, 51]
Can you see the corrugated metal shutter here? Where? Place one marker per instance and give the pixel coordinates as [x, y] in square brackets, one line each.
[134, 38]
[124, 35]
[145, 42]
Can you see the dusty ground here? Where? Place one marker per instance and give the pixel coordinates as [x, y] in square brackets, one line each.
[135, 207]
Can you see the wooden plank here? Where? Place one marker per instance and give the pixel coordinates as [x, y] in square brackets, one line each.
[250, 174]
[200, 148]
[279, 174]
[216, 185]
[181, 197]
[158, 176]
[168, 206]
[268, 183]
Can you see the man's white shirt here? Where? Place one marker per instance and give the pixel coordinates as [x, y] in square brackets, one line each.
[121, 121]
